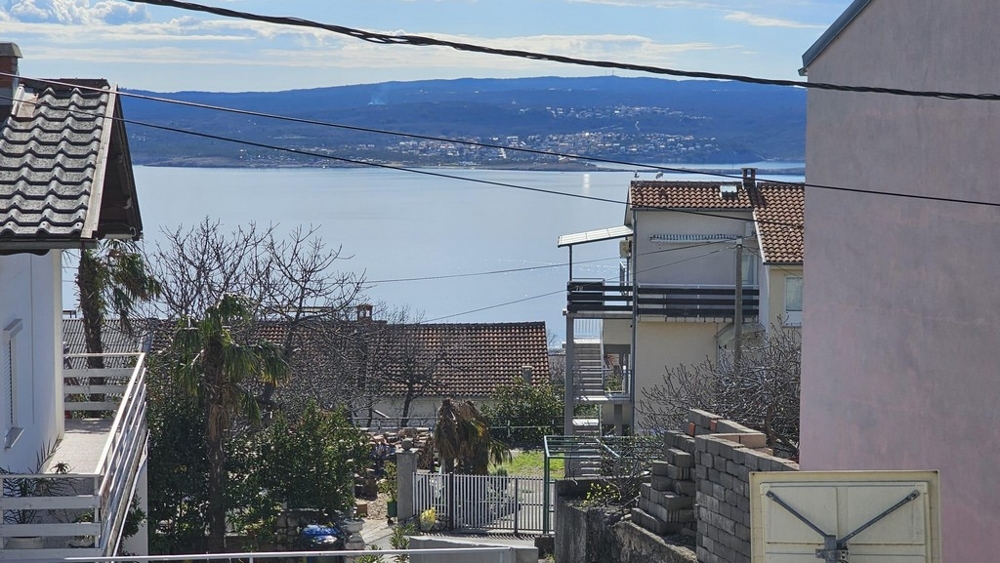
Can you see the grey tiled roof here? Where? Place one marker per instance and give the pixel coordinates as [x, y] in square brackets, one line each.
[61, 167]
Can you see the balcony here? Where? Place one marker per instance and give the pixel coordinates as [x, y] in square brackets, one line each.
[83, 499]
[594, 298]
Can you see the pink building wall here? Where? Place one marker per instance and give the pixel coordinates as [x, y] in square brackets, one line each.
[901, 335]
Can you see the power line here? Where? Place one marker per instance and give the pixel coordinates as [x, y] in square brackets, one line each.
[397, 168]
[488, 145]
[532, 268]
[422, 41]
[540, 296]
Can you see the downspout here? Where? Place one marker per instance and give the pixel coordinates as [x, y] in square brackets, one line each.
[635, 315]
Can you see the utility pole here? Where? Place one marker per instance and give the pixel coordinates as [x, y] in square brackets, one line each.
[738, 313]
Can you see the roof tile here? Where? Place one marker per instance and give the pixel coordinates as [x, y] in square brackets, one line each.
[49, 152]
[779, 210]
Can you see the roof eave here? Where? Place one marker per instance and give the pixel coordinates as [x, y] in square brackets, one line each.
[831, 33]
[33, 245]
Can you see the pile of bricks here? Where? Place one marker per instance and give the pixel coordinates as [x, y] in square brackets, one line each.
[666, 504]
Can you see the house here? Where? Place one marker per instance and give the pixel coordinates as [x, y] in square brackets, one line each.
[467, 361]
[899, 358]
[679, 244]
[394, 374]
[65, 183]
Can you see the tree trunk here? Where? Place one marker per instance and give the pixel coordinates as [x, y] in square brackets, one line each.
[215, 431]
[93, 316]
[404, 420]
[216, 494]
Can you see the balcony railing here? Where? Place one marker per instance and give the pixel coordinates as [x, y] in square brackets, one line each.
[89, 508]
[679, 301]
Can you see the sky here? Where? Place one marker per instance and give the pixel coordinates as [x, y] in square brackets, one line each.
[166, 49]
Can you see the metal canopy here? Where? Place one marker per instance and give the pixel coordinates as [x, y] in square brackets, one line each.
[595, 236]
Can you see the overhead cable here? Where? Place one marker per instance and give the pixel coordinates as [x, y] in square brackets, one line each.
[423, 41]
[649, 167]
[419, 171]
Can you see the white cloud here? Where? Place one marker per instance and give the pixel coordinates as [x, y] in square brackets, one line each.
[73, 11]
[758, 20]
[649, 3]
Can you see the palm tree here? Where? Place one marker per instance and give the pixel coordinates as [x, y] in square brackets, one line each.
[111, 278]
[463, 440]
[214, 368]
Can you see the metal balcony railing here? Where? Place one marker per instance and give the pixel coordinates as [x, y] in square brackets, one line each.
[680, 301]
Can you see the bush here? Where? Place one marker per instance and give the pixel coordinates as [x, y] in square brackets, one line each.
[304, 463]
[522, 414]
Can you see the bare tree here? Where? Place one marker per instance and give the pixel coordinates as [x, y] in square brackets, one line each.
[760, 391]
[293, 294]
[394, 354]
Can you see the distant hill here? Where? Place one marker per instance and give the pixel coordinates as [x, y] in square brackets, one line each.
[631, 119]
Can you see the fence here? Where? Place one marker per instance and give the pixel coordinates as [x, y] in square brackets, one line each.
[483, 502]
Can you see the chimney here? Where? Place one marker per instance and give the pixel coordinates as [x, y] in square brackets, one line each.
[749, 178]
[9, 53]
[364, 312]
[526, 372]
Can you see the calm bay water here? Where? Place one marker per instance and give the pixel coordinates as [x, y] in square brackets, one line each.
[395, 224]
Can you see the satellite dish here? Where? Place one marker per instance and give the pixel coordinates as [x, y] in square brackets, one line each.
[845, 517]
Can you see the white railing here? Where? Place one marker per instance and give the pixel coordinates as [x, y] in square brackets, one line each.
[102, 497]
[50, 512]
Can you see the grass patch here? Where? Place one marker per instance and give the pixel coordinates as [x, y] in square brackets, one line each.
[531, 463]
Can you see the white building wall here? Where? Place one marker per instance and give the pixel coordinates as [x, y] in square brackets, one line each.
[31, 295]
[658, 263]
[902, 312]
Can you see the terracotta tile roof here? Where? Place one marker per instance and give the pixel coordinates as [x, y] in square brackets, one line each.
[778, 220]
[479, 357]
[779, 210]
[65, 170]
[684, 195]
[470, 360]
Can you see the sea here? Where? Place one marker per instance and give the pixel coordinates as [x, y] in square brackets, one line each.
[437, 241]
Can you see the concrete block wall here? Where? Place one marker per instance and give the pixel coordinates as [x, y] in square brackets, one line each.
[725, 455]
[702, 487]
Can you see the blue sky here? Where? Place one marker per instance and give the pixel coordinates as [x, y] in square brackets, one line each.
[163, 49]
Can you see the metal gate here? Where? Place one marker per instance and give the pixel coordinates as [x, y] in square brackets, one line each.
[483, 502]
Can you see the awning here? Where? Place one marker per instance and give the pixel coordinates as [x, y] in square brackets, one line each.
[595, 236]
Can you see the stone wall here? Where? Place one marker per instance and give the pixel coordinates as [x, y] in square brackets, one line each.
[703, 485]
[584, 535]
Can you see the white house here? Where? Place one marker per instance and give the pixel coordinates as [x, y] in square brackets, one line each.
[65, 183]
[899, 353]
[679, 245]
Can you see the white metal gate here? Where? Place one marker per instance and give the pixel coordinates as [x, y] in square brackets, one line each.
[483, 502]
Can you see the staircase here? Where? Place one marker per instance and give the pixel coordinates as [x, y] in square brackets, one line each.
[588, 371]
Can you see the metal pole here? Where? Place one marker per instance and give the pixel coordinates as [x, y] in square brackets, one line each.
[545, 495]
[738, 313]
[635, 317]
[517, 504]
[568, 391]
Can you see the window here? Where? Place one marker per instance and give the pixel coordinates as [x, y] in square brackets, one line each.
[793, 300]
[8, 384]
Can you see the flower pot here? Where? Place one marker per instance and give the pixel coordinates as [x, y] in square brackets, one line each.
[353, 526]
[390, 508]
